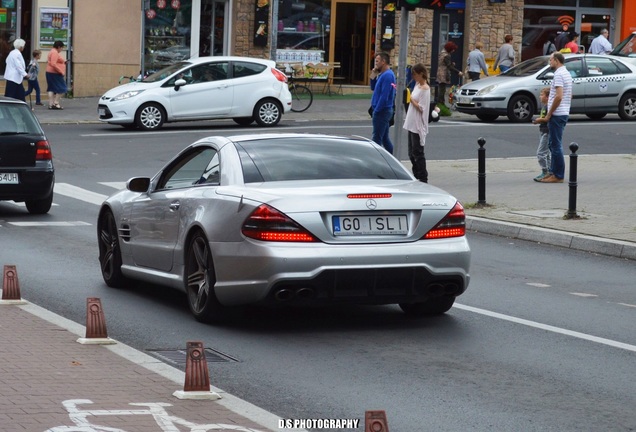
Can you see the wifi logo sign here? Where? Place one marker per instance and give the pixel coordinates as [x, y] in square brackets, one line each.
[565, 20]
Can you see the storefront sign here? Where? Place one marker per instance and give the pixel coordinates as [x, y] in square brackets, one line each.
[10, 4]
[53, 26]
[261, 18]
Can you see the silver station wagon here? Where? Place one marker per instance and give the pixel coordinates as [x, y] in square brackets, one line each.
[602, 84]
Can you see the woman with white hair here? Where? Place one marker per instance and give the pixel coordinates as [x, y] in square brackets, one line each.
[15, 71]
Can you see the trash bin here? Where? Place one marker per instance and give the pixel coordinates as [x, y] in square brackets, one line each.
[490, 62]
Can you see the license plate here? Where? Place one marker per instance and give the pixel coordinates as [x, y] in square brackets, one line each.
[464, 100]
[9, 178]
[101, 112]
[370, 225]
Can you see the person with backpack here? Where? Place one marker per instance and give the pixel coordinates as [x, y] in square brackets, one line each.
[33, 71]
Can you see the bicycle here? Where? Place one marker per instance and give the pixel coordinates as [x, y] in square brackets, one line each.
[302, 97]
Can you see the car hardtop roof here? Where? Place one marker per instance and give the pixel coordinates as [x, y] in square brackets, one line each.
[205, 59]
[268, 136]
[4, 99]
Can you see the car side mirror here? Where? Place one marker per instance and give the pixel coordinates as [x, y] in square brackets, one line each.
[179, 83]
[138, 184]
[548, 75]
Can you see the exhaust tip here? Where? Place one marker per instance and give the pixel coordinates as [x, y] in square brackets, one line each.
[283, 294]
[305, 293]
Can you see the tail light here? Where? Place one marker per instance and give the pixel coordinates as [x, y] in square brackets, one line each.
[43, 151]
[268, 224]
[453, 224]
[280, 76]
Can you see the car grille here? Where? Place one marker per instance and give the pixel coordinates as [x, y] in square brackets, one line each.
[107, 114]
[467, 92]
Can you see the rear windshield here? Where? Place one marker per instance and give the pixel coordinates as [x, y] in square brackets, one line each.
[311, 158]
[18, 119]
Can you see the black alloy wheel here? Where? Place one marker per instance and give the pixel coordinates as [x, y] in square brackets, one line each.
[627, 107]
[109, 251]
[520, 109]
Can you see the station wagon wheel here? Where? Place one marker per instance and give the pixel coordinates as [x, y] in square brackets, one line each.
[109, 251]
[627, 107]
[150, 116]
[268, 112]
[40, 206]
[200, 279]
[520, 109]
[432, 306]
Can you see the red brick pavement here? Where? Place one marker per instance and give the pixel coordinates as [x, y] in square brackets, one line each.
[42, 365]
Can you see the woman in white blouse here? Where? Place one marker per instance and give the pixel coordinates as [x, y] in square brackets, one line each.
[416, 121]
[15, 71]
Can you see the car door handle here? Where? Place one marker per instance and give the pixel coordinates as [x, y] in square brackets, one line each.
[174, 206]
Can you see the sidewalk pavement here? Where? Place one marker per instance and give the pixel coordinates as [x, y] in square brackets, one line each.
[50, 382]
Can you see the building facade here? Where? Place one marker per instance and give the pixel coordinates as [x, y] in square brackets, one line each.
[107, 40]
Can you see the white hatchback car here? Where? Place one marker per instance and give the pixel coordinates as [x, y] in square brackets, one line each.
[241, 88]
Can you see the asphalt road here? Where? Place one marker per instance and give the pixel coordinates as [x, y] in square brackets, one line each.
[542, 340]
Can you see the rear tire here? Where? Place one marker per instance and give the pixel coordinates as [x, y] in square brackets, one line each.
[302, 98]
[199, 280]
[432, 306]
[520, 109]
[268, 112]
[627, 107]
[150, 116]
[40, 206]
[110, 260]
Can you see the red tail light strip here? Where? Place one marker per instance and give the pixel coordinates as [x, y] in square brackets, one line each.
[268, 224]
[370, 195]
[453, 224]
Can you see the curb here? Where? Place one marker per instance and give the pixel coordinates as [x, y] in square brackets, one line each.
[576, 241]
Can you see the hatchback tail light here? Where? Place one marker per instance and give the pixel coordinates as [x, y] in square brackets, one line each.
[453, 224]
[43, 151]
[268, 224]
[280, 76]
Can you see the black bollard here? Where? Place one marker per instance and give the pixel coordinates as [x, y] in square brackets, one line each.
[481, 171]
[571, 214]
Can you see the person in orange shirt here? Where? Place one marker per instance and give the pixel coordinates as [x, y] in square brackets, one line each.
[573, 45]
[55, 71]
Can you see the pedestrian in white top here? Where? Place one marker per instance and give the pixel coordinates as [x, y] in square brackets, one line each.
[15, 72]
[416, 121]
[557, 117]
[600, 44]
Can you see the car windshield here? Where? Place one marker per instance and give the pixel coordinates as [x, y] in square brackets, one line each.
[166, 72]
[627, 47]
[315, 158]
[528, 67]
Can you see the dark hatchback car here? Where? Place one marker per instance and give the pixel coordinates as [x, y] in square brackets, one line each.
[26, 162]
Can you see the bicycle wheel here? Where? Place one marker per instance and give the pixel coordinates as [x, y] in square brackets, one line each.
[302, 97]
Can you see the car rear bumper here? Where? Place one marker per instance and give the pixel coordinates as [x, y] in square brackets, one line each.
[250, 272]
[33, 185]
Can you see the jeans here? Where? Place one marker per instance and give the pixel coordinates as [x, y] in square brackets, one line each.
[380, 133]
[34, 85]
[416, 155]
[441, 93]
[556, 126]
[503, 68]
[543, 152]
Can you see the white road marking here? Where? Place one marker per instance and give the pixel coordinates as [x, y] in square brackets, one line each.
[56, 224]
[583, 294]
[627, 304]
[115, 185]
[584, 336]
[79, 193]
[538, 285]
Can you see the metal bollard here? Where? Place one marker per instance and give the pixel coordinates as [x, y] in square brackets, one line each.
[481, 171]
[572, 183]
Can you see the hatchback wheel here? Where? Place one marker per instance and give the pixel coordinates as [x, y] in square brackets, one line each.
[520, 109]
[432, 306]
[109, 251]
[199, 281]
[268, 112]
[627, 107]
[150, 116]
[40, 206]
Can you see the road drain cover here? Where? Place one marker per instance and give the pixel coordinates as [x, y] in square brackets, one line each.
[178, 356]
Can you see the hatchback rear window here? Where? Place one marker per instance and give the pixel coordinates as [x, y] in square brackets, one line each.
[294, 158]
[18, 119]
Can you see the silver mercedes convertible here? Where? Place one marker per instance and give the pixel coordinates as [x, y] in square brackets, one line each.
[287, 219]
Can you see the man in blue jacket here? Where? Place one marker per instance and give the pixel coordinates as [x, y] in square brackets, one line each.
[383, 86]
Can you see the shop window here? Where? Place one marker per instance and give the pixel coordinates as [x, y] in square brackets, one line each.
[539, 25]
[597, 3]
[303, 30]
[167, 32]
